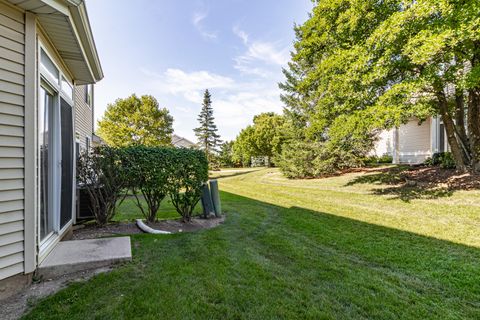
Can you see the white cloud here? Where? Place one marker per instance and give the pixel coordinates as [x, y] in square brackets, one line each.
[197, 21]
[188, 84]
[234, 102]
[241, 34]
[269, 55]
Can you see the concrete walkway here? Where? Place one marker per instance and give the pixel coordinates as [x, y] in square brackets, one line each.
[78, 255]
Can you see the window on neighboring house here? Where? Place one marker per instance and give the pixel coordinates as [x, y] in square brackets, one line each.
[87, 144]
[89, 94]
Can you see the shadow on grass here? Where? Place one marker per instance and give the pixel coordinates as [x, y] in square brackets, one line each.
[395, 264]
[402, 186]
[273, 262]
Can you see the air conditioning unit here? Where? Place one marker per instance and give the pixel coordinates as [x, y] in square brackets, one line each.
[84, 210]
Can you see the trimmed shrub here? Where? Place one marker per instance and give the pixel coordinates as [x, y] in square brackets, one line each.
[101, 173]
[189, 171]
[155, 172]
[148, 170]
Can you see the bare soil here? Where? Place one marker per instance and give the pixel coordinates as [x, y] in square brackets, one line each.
[15, 306]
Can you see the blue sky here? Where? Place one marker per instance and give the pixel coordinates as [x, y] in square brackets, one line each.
[175, 49]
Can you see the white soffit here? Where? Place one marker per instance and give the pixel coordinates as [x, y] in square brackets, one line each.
[67, 26]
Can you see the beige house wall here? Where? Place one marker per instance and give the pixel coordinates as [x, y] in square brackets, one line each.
[12, 140]
[84, 125]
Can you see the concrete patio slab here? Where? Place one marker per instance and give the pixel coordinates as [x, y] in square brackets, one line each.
[78, 255]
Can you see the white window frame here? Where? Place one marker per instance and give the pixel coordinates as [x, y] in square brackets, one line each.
[89, 95]
[88, 144]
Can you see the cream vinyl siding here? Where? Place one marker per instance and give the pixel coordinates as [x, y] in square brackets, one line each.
[414, 142]
[384, 144]
[12, 133]
[83, 115]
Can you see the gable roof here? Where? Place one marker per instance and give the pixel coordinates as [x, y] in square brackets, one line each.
[66, 24]
[180, 142]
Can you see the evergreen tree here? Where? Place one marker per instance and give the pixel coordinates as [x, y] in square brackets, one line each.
[208, 139]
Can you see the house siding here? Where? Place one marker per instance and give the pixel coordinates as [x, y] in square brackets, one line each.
[83, 115]
[12, 134]
[414, 142]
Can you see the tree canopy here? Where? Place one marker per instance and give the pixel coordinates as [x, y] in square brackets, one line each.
[136, 121]
[264, 138]
[360, 66]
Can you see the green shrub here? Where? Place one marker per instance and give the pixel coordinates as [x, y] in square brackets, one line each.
[447, 161]
[314, 159]
[379, 159]
[443, 159]
[155, 172]
[148, 170]
[101, 173]
[189, 172]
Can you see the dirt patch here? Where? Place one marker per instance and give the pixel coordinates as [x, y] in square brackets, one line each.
[15, 306]
[127, 228]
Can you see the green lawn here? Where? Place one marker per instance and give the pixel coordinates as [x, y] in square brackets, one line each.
[128, 210]
[336, 248]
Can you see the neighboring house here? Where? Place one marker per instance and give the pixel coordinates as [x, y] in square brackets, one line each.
[48, 62]
[413, 142]
[97, 141]
[179, 142]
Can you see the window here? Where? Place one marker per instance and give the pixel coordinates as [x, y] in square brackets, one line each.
[67, 88]
[87, 144]
[48, 67]
[89, 94]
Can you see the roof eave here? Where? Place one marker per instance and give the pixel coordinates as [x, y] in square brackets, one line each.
[80, 19]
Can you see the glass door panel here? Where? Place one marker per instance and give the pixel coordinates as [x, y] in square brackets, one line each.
[45, 108]
[66, 125]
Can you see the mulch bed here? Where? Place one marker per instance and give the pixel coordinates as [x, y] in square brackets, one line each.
[430, 177]
[196, 224]
[127, 228]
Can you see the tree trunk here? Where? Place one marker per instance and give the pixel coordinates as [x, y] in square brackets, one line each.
[474, 127]
[450, 129]
[473, 120]
[460, 123]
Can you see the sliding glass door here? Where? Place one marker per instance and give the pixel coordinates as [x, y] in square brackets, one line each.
[55, 153]
[56, 156]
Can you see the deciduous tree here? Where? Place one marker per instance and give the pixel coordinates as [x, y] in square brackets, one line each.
[136, 121]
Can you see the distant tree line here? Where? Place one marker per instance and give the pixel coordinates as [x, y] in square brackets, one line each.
[360, 67]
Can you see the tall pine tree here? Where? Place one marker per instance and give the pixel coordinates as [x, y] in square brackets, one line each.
[208, 139]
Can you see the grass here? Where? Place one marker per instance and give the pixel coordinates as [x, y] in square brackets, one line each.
[128, 210]
[310, 249]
